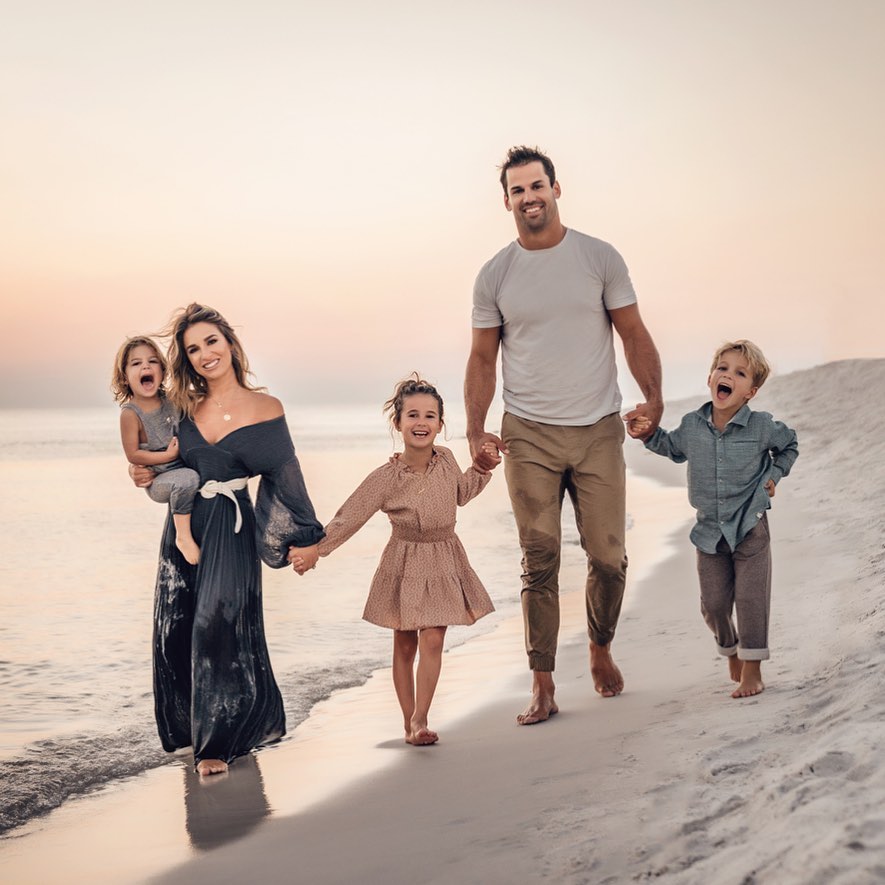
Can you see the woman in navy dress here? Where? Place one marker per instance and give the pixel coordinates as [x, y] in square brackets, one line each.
[214, 688]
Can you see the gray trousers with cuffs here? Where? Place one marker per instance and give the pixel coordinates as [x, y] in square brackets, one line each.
[177, 488]
[739, 582]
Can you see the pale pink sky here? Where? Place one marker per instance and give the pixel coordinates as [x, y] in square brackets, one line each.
[326, 177]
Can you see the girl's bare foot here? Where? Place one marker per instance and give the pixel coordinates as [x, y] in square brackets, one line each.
[422, 737]
[751, 680]
[205, 767]
[189, 549]
[735, 666]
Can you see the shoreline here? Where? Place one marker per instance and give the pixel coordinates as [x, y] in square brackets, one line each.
[673, 781]
[349, 739]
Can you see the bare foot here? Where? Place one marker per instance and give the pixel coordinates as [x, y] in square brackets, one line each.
[607, 678]
[422, 737]
[751, 680]
[542, 706]
[189, 549]
[735, 665]
[205, 767]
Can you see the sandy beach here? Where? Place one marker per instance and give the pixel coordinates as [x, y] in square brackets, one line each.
[673, 781]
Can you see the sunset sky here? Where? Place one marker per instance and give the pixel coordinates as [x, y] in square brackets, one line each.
[325, 175]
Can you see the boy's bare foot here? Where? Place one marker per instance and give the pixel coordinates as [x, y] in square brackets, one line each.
[205, 767]
[542, 706]
[422, 737]
[189, 549]
[751, 680]
[607, 678]
[735, 666]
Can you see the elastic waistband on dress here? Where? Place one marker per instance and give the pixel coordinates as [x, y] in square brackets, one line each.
[227, 487]
[422, 536]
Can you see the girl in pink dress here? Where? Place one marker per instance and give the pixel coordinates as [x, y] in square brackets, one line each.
[424, 582]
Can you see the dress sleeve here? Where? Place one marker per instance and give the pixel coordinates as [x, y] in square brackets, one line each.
[470, 483]
[284, 514]
[356, 511]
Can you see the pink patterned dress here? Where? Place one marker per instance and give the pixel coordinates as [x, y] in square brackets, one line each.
[424, 578]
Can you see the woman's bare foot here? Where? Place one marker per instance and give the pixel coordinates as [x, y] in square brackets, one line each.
[205, 767]
[607, 678]
[735, 666]
[421, 736]
[751, 680]
[542, 706]
[189, 549]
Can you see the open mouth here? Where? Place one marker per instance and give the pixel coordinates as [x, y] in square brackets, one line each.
[723, 390]
[147, 380]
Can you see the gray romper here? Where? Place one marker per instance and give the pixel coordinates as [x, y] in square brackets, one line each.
[174, 484]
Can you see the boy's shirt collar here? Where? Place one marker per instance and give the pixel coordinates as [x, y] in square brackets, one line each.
[741, 417]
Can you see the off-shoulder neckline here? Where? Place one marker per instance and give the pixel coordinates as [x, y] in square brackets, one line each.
[235, 430]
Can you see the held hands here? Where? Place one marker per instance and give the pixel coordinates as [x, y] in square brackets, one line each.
[303, 559]
[486, 450]
[644, 419]
[639, 428]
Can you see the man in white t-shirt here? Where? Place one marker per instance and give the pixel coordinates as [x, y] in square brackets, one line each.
[549, 301]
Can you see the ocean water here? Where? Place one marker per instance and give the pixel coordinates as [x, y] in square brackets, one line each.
[79, 552]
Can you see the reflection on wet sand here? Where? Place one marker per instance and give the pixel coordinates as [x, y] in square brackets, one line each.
[224, 807]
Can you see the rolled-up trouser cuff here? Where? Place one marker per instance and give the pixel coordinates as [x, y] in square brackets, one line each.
[753, 654]
[543, 663]
[727, 652]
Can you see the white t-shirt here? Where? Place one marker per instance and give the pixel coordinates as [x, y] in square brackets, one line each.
[558, 359]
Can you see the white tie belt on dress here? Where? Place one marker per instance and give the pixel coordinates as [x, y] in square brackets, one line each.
[227, 488]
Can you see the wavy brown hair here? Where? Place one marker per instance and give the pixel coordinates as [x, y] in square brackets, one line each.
[393, 408]
[187, 387]
[119, 382]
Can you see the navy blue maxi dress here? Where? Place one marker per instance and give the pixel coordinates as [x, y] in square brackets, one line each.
[214, 688]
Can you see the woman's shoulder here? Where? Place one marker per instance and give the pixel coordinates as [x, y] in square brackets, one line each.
[265, 407]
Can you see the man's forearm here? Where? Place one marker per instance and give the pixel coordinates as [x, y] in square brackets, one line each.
[479, 390]
[644, 363]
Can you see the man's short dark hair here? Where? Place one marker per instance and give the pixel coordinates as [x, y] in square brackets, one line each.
[522, 156]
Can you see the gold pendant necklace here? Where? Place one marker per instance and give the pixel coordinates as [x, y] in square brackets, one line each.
[226, 415]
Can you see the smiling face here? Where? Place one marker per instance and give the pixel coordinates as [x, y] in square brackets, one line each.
[207, 350]
[144, 371]
[532, 199]
[731, 384]
[419, 422]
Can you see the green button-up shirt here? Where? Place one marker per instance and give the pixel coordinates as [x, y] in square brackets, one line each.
[727, 471]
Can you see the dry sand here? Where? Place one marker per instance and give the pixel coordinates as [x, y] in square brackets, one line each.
[673, 781]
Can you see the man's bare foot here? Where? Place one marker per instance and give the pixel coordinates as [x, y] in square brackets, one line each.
[542, 706]
[607, 678]
[205, 767]
[751, 680]
[422, 737]
[189, 549]
[735, 666]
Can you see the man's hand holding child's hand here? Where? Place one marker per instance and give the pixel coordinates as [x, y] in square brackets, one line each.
[639, 427]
